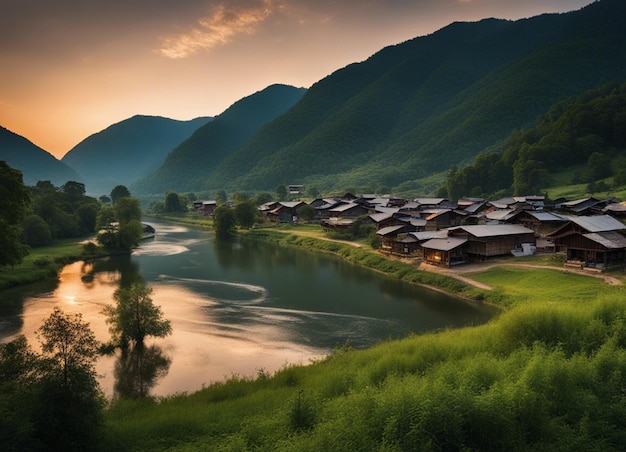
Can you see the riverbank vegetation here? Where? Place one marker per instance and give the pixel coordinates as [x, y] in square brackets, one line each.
[548, 373]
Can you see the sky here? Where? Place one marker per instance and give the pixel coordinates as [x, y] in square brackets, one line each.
[71, 68]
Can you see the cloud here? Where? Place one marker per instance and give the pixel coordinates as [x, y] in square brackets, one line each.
[224, 22]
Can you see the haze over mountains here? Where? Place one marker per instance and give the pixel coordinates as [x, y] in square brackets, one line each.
[389, 123]
[128, 150]
[35, 163]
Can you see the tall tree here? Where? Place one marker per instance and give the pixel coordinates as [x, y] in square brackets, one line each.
[135, 316]
[246, 214]
[14, 205]
[224, 222]
[70, 403]
[119, 191]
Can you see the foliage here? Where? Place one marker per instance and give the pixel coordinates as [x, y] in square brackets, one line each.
[14, 203]
[188, 162]
[417, 108]
[36, 231]
[51, 401]
[118, 192]
[121, 224]
[246, 214]
[584, 130]
[173, 203]
[281, 192]
[307, 212]
[67, 211]
[135, 316]
[224, 222]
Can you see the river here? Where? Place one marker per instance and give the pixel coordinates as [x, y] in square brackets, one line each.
[235, 309]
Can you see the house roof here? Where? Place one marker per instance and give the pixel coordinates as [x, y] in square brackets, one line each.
[427, 235]
[492, 230]
[444, 244]
[501, 214]
[344, 207]
[609, 239]
[378, 217]
[390, 229]
[596, 223]
[543, 215]
[430, 201]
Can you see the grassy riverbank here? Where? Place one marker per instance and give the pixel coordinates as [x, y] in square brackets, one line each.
[45, 262]
[548, 374]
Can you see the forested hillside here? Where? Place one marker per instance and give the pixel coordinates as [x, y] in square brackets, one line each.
[420, 107]
[35, 163]
[588, 130]
[187, 166]
[128, 150]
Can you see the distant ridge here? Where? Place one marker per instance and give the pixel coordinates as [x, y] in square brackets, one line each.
[34, 162]
[128, 150]
[188, 165]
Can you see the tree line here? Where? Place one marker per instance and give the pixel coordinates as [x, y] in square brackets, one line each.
[39, 215]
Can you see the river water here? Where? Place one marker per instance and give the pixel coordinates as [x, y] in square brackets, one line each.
[235, 309]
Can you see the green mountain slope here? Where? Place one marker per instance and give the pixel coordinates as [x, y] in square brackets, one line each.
[35, 163]
[187, 166]
[128, 150]
[588, 132]
[419, 107]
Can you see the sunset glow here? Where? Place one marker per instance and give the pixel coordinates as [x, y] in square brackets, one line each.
[70, 70]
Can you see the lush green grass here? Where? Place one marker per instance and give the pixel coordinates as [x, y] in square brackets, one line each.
[42, 263]
[523, 285]
[541, 377]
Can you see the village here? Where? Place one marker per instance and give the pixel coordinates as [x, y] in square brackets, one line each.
[589, 233]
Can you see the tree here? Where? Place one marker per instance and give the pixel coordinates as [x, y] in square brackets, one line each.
[224, 222]
[69, 342]
[246, 214]
[281, 192]
[74, 190]
[262, 198]
[307, 212]
[14, 205]
[70, 403]
[220, 197]
[127, 209]
[135, 316]
[313, 192]
[36, 232]
[172, 202]
[119, 191]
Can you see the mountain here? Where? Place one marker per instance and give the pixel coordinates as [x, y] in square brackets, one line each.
[417, 108]
[128, 150]
[35, 163]
[186, 167]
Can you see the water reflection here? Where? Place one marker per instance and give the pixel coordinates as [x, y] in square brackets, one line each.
[234, 308]
[138, 369]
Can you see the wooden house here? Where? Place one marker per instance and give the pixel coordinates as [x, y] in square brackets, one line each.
[540, 221]
[389, 235]
[284, 212]
[596, 250]
[492, 240]
[207, 208]
[437, 219]
[348, 210]
[591, 241]
[445, 251]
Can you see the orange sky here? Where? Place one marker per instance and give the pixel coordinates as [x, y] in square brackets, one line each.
[70, 69]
